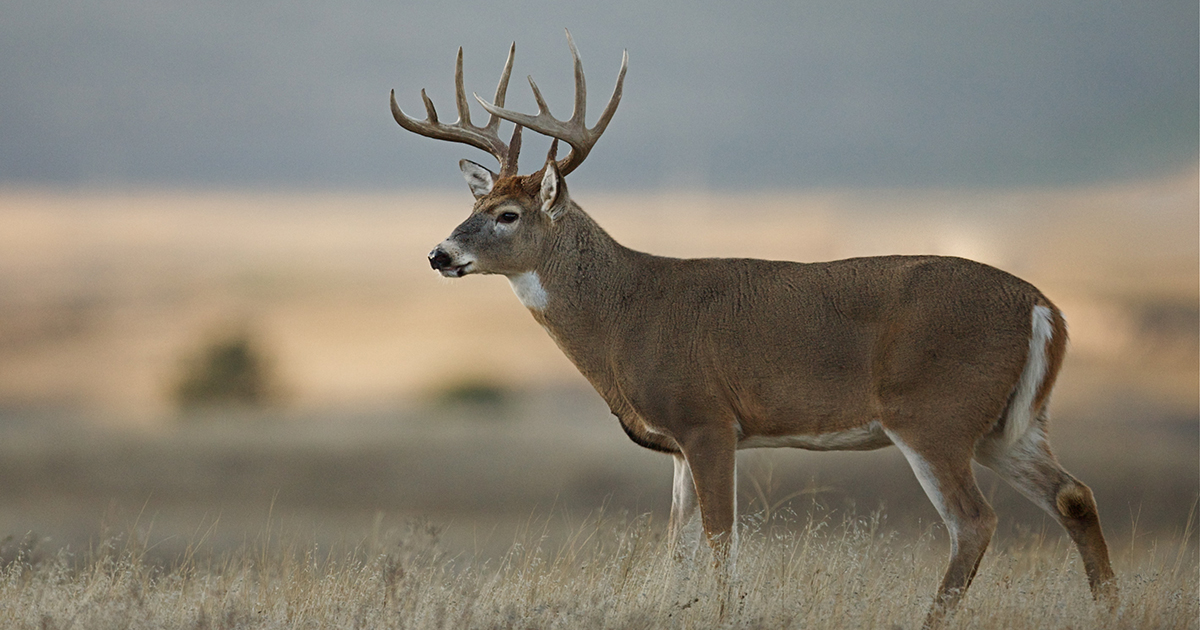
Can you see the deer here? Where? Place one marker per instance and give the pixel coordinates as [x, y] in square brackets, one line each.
[947, 359]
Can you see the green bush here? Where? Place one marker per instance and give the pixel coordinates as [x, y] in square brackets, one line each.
[229, 370]
[475, 392]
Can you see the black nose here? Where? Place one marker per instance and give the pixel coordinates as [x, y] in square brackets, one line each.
[439, 259]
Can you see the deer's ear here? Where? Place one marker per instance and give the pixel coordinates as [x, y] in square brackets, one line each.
[554, 191]
[479, 179]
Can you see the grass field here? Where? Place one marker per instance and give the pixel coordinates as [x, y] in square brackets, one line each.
[815, 571]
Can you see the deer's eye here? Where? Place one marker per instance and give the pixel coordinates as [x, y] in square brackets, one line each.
[508, 217]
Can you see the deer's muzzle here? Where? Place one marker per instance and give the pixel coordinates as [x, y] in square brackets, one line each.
[442, 262]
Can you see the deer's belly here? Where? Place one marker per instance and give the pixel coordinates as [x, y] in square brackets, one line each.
[867, 437]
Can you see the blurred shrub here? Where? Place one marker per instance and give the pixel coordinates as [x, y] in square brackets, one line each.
[475, 392]
[229, 370]
[26, 552]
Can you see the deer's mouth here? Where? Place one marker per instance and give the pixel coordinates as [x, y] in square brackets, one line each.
[456, 271]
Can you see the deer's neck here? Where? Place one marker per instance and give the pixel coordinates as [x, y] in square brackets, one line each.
[578, 290]
[584, 272]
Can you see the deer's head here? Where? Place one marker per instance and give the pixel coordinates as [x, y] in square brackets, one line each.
[514, 215]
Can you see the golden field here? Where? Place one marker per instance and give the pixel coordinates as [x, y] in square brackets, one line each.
[105, 295]
[819, 571]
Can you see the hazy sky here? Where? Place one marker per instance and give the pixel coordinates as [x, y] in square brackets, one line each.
[719, 95]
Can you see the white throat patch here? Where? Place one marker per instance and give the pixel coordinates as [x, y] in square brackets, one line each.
[528, 287]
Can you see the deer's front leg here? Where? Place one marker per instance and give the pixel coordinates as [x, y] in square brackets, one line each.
[683, 531]
[710, 453]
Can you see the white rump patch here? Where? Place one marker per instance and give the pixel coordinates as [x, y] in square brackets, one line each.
[529, 289]
[1020, 410]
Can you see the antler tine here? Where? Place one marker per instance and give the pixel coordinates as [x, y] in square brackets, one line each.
[578, 114]
[462, 130]
[543, 108]
[430, 112]
[501, 90]
[460, 94]
[611, 108]
[573, 131]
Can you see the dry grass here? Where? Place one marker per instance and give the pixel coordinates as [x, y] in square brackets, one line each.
[612, 572]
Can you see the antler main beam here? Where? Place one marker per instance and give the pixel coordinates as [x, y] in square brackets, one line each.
[573, 131]
[485, 137]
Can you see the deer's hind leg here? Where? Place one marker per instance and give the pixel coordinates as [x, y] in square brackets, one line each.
[1030, 467]
[948, 480]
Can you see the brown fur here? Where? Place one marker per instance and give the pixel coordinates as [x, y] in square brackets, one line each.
[524, 187]
[1074, 502]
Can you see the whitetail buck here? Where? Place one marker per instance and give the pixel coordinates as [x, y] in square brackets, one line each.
[948, 359]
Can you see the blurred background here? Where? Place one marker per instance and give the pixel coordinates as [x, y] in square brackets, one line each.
[215, 303]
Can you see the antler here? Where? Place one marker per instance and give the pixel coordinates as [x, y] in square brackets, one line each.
[485, 137]
[574, 131]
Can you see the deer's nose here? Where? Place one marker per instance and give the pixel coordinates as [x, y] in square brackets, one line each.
[439, 259]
